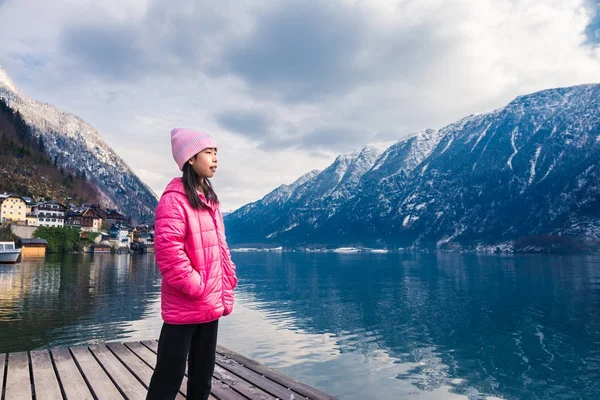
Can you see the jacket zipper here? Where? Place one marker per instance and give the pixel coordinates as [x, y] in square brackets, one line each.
[220, 257]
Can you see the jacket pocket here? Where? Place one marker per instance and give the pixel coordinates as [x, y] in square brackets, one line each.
[202, 273]
[200, 293]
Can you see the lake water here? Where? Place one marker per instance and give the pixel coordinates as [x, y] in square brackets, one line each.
[359, 326]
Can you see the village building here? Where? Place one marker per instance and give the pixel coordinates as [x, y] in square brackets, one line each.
[33, 247]
[114, 217]
[143, 233]
[84, 218]
[143, 242]
[100, 248]
[96, 207]
[121, 234]
[49, 213]
[146, 238]
[13, 209]
[30, 218]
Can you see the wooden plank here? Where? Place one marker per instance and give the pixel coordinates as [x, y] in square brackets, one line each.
[150, 358]
[45, 380]
[136, 366]
[129, 385]
[254, 378]
[100, 383]
[218, 389]
[241, 386]
[73, 384]
[224, 392]
[143, 352]
[120, 370]
[18, 385]
[276, 376]
[151, 344]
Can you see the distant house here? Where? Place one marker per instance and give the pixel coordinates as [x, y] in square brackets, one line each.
[96, 207]
[146, 238]
[49, 213]
[73, 217]
[30, 218]
[114, 217]
[13, 209]
[120, 234]
[86, 219]
[100, 248]
[144, 228]
[33, 247]
[143, 234]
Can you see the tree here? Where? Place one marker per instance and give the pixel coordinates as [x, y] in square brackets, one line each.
[60, 240]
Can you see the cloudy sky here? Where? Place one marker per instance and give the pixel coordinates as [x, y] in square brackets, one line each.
[285, 86]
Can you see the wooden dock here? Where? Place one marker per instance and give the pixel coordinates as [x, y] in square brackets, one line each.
[123, 371]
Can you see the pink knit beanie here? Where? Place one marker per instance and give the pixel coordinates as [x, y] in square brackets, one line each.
[185, 143]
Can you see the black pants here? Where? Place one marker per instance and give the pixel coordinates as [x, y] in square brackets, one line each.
[197, 342]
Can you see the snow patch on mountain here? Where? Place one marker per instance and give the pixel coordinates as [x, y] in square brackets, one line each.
[538, 150]
[7, 83]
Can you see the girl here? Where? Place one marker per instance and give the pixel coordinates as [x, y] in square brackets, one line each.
[196, 267]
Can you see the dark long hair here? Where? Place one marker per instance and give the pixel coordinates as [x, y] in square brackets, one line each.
[191, 182]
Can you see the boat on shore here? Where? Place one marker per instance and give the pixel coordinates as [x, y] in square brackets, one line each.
[9, 253]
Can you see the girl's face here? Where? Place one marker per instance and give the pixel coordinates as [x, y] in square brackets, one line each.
[205, 163]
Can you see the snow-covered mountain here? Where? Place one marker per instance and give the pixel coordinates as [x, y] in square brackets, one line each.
[305, 204]
[529, 172]
[76, 145]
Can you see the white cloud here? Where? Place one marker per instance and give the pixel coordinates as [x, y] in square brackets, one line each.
[309, 79]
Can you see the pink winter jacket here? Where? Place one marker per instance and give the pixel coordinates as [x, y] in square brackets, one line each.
[193, 258]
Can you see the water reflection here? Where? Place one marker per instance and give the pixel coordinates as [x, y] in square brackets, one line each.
[377, 326]
[73, 299]
[515, 327]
